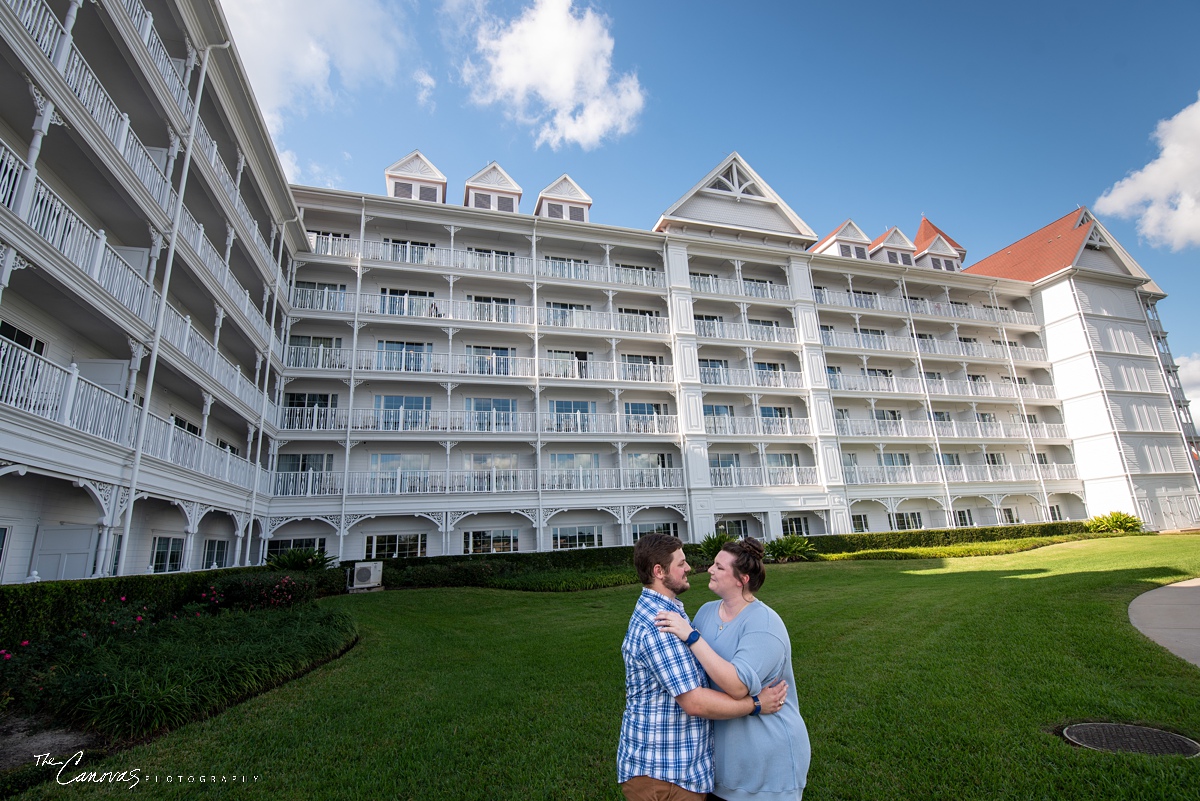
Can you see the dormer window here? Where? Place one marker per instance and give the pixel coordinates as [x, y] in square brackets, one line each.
[490, 200]
[944, 264]
[899, 258]
[855, 253]
[483, 201]
[409, 190]
[505, 204]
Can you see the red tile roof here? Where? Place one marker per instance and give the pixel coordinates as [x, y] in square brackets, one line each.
[1040, 254]
[877, 241]
[928, 232]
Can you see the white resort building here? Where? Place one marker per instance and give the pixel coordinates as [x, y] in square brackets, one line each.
[200, 365]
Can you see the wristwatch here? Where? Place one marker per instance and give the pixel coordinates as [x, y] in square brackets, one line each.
[757, 705]
[692, 638]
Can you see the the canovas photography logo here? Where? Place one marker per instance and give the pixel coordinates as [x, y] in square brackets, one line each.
[70, 771]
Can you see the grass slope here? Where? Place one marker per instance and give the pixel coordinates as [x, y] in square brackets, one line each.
[919, 679]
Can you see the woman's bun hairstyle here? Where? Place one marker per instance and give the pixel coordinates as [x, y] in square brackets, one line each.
[748, 561]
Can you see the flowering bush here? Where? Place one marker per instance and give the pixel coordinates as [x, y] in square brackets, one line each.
[267, 590]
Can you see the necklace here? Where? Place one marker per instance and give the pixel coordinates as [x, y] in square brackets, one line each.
[721, 625]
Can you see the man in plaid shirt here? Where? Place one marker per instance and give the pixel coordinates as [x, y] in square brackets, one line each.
[665, 752]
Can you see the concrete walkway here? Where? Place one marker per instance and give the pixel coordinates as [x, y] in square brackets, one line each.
[1171, 617]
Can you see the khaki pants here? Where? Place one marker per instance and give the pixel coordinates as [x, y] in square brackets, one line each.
[643, 788]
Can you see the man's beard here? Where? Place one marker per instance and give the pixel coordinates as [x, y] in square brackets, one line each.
[678, 589]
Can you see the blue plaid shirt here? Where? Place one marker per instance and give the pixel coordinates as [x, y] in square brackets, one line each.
[659, 739]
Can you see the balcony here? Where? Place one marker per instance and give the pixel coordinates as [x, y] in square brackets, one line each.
[433, 482]
[603, 321]
[949, 429]
[399, 253]
[989, 389]
[34, 385]
[736, 377]
[874, 383]
[114, 124]
[578, 423]
[710, 285]
[88, 250]
[957, 474]
[751, 333]
[763, 476]
[727, 425]
[929, 346]
[321, 358]
[932, 308]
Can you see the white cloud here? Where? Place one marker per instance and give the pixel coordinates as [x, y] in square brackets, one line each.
[296, 52]
[1189, 376]
[1165, 194]
[425, 86]
[552, 68]
[291, 165]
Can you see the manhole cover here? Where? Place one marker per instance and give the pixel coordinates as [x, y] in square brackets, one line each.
[1123, 738]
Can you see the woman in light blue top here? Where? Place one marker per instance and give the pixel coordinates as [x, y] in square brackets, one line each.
[744, 647]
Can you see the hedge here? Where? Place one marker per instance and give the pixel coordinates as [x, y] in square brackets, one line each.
[930, 537]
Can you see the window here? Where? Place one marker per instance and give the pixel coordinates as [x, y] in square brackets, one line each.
[491, 541]
[504, 203]
[186, 425]
[429, 194]
[14, 334]
[985, 417]
[568, 537]
[940, 417]
[1031, 419]
[887, 414]
[303, 462]
[407, 356]
[403, 412]
[306, 341]
[407, 302]
[796, 525]
[894, 459]
[279, 546]
[899, 258]
[562, 267]
[963, 517]
[996, 459]
[733, 528]
[402, 250]
[1007, 515]
[859, 524]
[572, 415]
[641, 408]
[1056, 512]
[329, 242]
[648, 461]
[3, 537]
[216, 553]
[394, 546]
[775, 412]
[310, 401]
[904, 521]
[717, 410]
[782, 459]
[492, 472]
[638, 367]
[404, 462]
[483, 201]
[878, 372]
[949, 459]
[491, 414]
[1041, 458]
[228, 446]
[858, 252]
[932, 375]
[168, 554]
[720, 460]
[640, 529]
[574, 461]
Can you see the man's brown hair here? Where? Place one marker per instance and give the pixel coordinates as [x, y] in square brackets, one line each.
[651, 550]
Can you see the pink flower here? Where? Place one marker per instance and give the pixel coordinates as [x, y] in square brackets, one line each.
[203, 595]
[8, 656]
[24, 643]
[84, 634]
[139, 618]
[122, 597]
[197, 614]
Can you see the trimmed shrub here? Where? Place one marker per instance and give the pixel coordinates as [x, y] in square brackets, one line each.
[1116, 522]
[302, 559]
[884, 540]
[790, 548]
[34, 611]
[175, 671]
[266, 590]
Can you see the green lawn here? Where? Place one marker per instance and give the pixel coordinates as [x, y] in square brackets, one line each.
[919, 679]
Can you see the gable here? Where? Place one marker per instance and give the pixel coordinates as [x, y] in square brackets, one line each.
[733, 196]
[566, 189]
[494, 177]
[415, 165]
[940, 247]
[898, 240]
[851, 231]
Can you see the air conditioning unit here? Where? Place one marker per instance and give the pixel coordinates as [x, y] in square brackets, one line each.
[365, 577]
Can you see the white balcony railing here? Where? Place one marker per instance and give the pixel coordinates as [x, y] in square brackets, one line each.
[421, 482]
[35, 385]
[40, 22]
[757, 426]
[753, 333]
[143, 21]
[942, 347]
[739, 377]
[874, 383]
[934, 308]
[762, 476]
[89, 251]
[711, 285]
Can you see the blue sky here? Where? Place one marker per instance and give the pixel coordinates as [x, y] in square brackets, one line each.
[992, 121]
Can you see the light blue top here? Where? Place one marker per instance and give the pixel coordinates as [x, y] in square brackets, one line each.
[764, 757]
